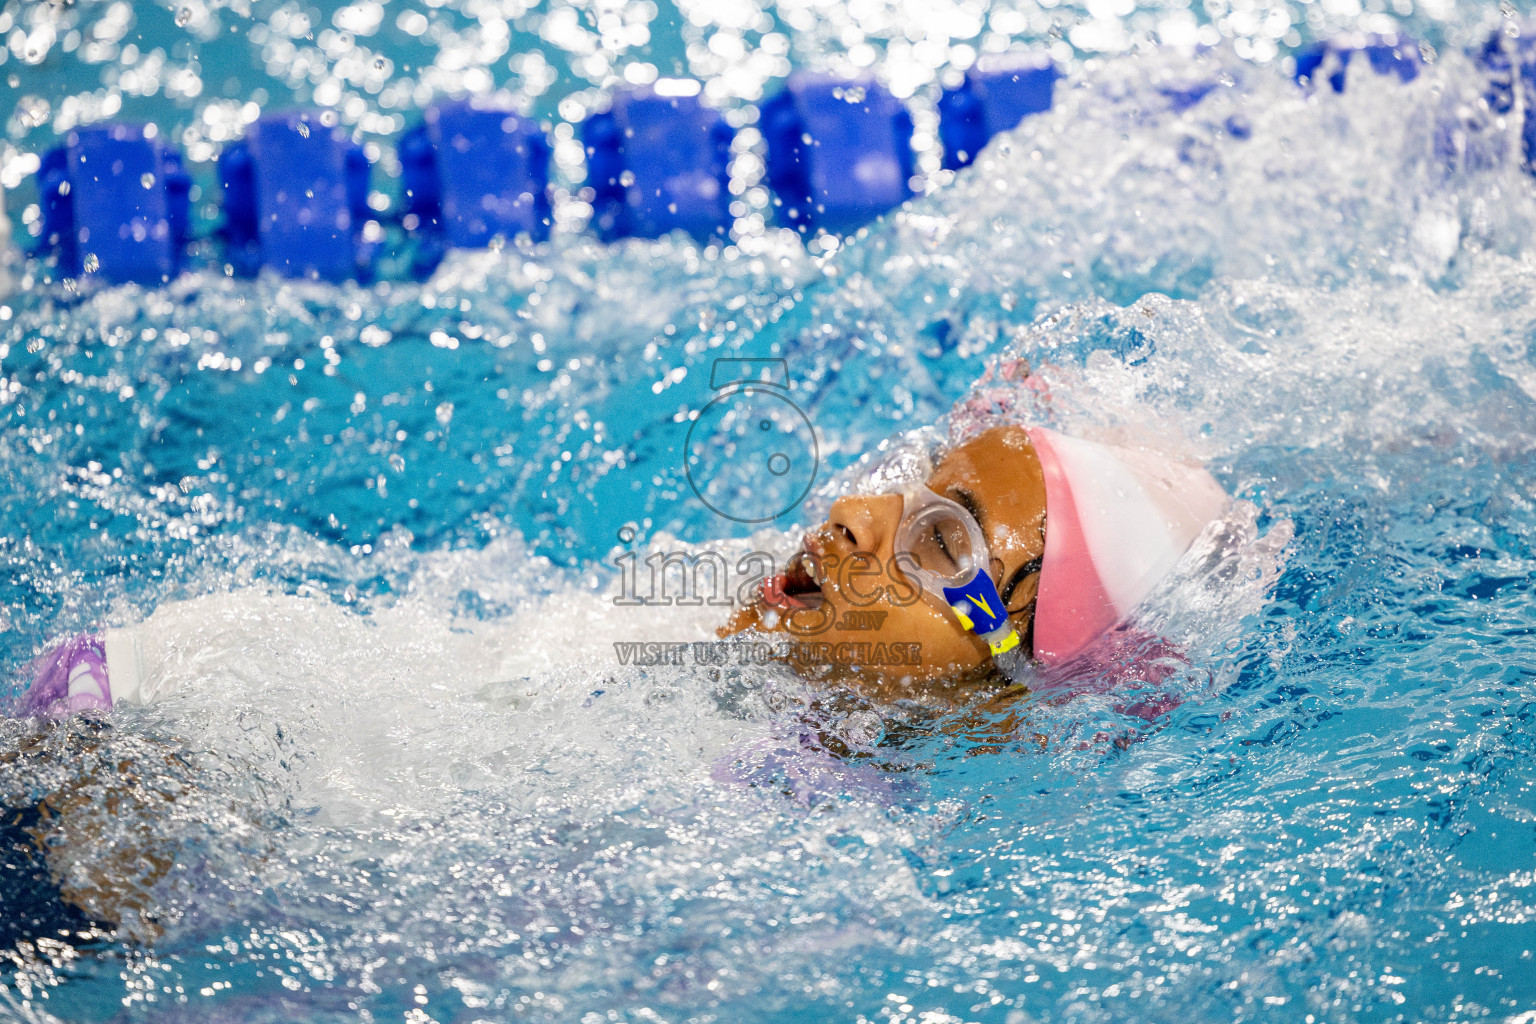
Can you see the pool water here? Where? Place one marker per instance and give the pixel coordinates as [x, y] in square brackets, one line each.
[413, 781]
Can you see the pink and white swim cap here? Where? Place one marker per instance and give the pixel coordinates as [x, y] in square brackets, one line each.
[1117, 520]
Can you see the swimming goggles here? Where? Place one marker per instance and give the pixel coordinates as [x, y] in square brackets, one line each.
[940, 545]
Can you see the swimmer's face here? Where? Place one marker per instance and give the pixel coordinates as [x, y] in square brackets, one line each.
[850, 590]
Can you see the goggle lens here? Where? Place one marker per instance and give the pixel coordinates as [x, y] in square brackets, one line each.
[939, 540]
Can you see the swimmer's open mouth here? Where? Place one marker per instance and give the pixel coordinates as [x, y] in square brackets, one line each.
[795, 587]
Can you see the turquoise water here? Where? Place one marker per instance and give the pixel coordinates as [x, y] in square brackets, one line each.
[414, 782]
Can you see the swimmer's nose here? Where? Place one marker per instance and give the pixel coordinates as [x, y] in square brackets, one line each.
[863, 523]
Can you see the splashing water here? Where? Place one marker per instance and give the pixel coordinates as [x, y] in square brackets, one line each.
[412, 781]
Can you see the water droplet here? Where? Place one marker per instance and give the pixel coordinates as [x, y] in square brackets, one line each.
[304, 129]
[380, 62]
[862, 730]
[444, 414]
[183, 16]
[397, 463]
[628, 532]
[90, 263]
[147, 180]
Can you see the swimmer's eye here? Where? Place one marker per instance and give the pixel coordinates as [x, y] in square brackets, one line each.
[938, 538]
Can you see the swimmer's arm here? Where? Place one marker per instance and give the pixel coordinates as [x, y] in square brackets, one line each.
[98, 830]
[180, 639]
[139, 656]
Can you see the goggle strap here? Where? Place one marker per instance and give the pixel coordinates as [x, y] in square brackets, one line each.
[977, 604]
[1006, 643]
[1014, 663]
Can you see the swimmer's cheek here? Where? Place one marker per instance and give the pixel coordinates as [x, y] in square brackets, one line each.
[938, 647]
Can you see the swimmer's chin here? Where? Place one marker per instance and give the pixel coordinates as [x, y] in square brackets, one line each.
[743, 619]
[762, 616]
[922, 680]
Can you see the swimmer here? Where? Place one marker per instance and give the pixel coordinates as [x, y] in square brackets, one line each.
[1001, 552]
[1003, 557]
[1012, 549]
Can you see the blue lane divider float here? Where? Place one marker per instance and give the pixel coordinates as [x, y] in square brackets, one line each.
[839, 151]
[296, 200]
[473, 172]
[1510, 63]
[658, 160]
[994, 97]
[1386, 54]
[116, 201]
